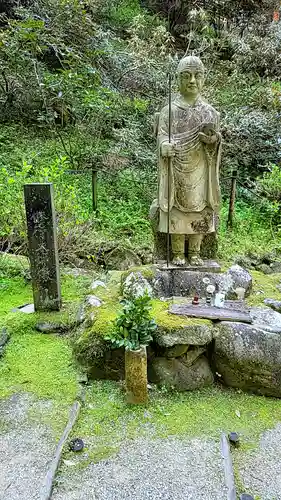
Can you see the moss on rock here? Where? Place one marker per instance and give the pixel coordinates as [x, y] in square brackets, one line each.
[173, 329]
[148, 272]
[93, 351]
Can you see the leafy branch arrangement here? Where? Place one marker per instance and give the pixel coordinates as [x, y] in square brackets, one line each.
[134, 326]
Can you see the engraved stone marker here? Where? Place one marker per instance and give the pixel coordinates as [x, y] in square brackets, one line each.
[42, 243]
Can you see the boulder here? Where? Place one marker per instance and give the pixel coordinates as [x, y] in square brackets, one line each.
[176, 351]
[174, 373]
[275, 267]
[136, 285]
[237, 277]
[48, 327]
[196, 332]
[249, 357]
[264, 268]
[266, 319]
[97, 283]
[244, 261]
[121, 259]
[93, 301]
[274, 304]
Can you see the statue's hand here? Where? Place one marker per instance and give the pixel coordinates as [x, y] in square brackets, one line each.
[168, 149]
[209, 139]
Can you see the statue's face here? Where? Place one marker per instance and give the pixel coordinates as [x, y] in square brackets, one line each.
[191, 81]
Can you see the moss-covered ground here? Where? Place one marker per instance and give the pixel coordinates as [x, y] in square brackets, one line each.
[43, 365]
[264, 287]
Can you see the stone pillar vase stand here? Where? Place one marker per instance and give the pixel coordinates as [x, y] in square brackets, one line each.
[136, 375]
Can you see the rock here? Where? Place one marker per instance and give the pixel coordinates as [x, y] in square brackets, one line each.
[244, 262]
[110, 366]
[81, 314]
[274, 304]
[121, 259]
[198, 332]
[266, 319]
[4, 338]
[173, 373]
[183, 282]
[275, 267]
[46, 327]
[176, 351]
[249, 358]
[135, 285]
[267, 258]
[264, 268]
[96, 283]
[241, 278]
[82, 378]
[191, 356]
[27, 309]
[93, 301]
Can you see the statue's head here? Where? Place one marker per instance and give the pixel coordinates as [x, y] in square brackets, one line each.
[190, 73]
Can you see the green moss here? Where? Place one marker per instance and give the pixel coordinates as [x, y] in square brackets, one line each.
[107, 312]
[13, 293]
[36, 363]
[89, 344]
[106, 421]
[264, 287]
[169, 321]
[148, 272]
[40, 364]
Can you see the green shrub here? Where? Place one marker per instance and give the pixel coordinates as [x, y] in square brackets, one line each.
[133, 327]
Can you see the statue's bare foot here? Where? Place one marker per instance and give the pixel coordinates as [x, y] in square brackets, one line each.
[195, 260]
[179, 261]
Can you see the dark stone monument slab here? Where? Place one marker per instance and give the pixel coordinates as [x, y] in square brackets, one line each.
[210, 312]
[42, 243]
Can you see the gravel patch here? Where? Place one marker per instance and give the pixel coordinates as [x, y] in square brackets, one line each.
[25, 448]
[178, 469]
[260, 472]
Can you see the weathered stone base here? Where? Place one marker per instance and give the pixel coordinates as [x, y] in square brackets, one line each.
[188, 353]
[184, 282]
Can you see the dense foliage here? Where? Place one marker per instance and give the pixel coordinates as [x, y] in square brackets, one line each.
[134, 327]
[79, 84]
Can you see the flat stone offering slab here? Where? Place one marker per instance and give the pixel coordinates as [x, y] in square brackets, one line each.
[27, 309]
[210, 312]
[209, 266]
[238, 305]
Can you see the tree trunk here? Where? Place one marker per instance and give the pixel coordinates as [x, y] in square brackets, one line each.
[136, 376]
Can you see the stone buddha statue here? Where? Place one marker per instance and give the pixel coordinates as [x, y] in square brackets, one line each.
[195, 151]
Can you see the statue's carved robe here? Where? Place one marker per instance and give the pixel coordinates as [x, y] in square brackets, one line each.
[194, 174]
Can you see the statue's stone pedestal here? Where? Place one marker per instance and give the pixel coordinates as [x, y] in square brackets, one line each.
[209, 266]
[187, 281]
